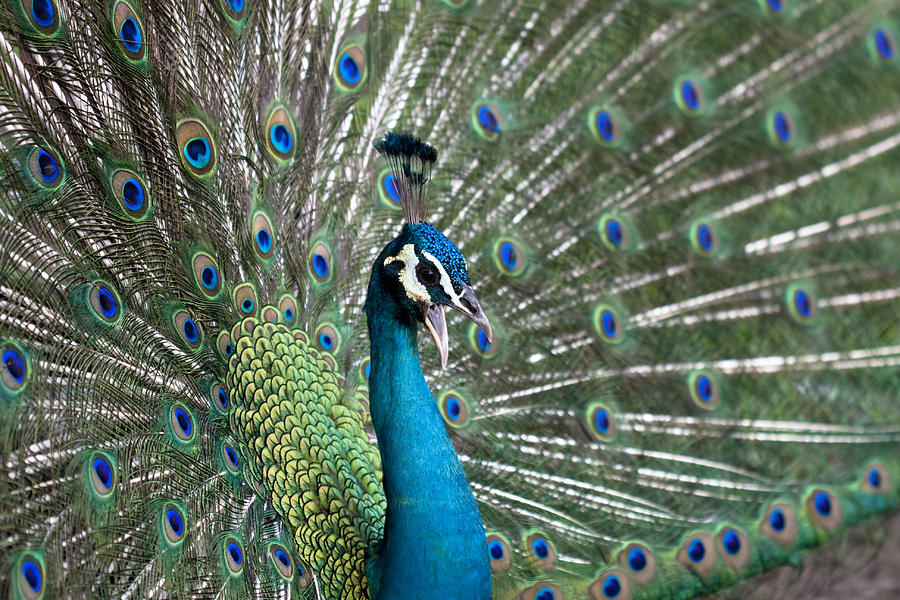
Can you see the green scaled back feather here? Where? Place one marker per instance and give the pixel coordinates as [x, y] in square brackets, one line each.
[679, 216]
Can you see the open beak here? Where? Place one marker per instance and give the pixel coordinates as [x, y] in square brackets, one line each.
[436, 323]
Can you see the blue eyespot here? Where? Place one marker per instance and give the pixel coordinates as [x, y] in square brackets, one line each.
[15, 364]
[320, 265]
[696, 551]
[508, 255]
[325, 341]
[235, 552]
[368, 369]
[184, 422]
[281, 139]
[784, 129]
[42, 12]
[874, 477]
[602, 421]
[263, 241]
[175, 521]
[283, 558]
[103, 471]
[288, 315]
[231, 457]
[236, 5]
[229, 350]
[606, 126]
[706, 240]
[390, 187]
[33, 576]
[704, 387]
[803, 303]
[487, 119]
[540, 548]
[884, 44]
[775, 5]
[614, 232]
[48, 167]
[133, 194]
[822, 503]
[208, 277]
[637, 560]
[453, 408]
[191, 333]
[609, 323]
[197, 152]
[690, 95]
[483, 343]
[349, 70]
[222, 398]
[247, 305]
[612, 587]
[777, 520]
[544, 594]
[731, 541]
[495, 549]
[130, 35]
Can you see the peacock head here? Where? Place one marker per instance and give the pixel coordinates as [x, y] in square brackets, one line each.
[424, 272]
[421, 268]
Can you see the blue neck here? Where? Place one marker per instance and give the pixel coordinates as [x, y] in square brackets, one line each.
[434, 542]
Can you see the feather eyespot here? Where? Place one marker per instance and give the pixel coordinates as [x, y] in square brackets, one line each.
[244, 297]
[638, 561]
[129, 31]
[263, 236]
[233, 555]
[320, 263]
[282, 561]
[43, 14]
[14, 367]
[773, 7]
[101, 475]
[540, 551]
[499, 553]
[206, 274]
[280, 138]
[350, 70]
[802, 304]
[45, 167]
[269, 314]
[697, 554]
[704, 389]
[231, 459]
[608, 324]
[876, 480]
[779, 522]
[454, 408]
[824, 509]
[388, 192]
[612, 584]
[614, 233]
[172, 521]
[704, 239]
[198, 153]
[734, 547]
[224, 345]
[481, 344]
[181, 423]
[690, 96]
[509, 256]
[883, 44]
[187, 329]
[235, 10]
[487, 120]
[365, 369]
[607, 126]
[543, 591]
[30, 580]
[287, 306]
[600, 422]
[131, 193]
[219, 397]
[327, 338]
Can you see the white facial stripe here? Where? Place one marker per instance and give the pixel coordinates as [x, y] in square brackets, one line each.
[445, 278]
[414, 290]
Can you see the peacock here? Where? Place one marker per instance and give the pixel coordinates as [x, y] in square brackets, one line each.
[651, 250]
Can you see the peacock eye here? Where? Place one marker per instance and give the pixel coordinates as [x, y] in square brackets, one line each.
[426, 275]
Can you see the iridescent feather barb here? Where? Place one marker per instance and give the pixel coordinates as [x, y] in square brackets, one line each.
[680, 217]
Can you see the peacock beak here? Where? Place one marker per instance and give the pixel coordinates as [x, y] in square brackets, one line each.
[467, 304]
